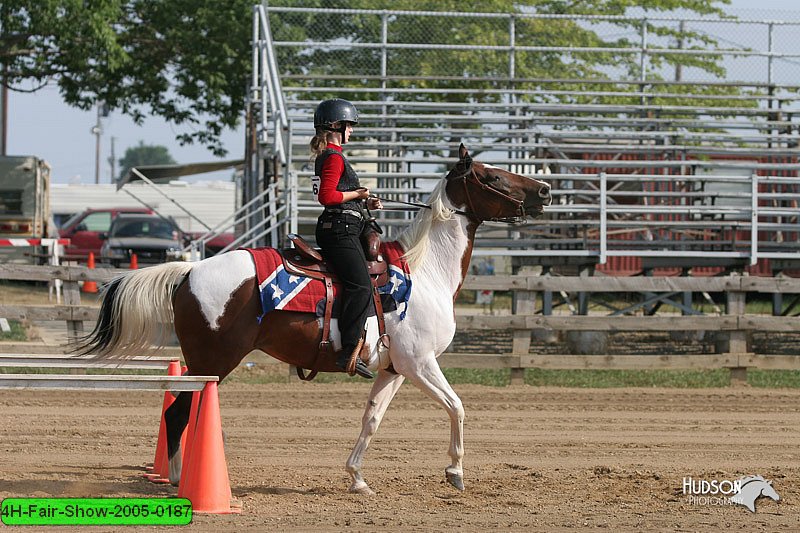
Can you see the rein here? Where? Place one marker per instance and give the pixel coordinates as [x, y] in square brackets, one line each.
[470, 177]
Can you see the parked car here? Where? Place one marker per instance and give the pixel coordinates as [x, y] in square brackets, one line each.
[152, 238]
[84, 229]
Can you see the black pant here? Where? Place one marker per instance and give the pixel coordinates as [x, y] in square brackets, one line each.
[339, 236]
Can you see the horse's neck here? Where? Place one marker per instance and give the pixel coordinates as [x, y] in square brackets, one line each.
[449, 253]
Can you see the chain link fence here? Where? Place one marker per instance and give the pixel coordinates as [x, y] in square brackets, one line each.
[504, 50]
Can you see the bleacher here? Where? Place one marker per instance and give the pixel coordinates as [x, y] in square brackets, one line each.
[646, 173]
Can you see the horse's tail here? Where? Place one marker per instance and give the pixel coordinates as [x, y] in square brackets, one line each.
[135, 308]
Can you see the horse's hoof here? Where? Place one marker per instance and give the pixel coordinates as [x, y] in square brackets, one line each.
[175, 465]
[456, 480]
[361, 488]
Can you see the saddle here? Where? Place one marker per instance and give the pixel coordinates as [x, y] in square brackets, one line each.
[304, 260]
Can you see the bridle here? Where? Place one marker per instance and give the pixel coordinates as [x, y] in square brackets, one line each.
[469, 177]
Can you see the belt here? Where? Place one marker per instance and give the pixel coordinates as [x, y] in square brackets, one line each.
[346, 212]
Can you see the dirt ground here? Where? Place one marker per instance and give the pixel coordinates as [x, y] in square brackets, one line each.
[536, 458]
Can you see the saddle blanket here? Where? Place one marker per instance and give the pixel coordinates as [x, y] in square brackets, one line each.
[288, 292]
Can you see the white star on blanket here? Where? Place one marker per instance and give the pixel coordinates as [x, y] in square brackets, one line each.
[396, 282]
[277, 291]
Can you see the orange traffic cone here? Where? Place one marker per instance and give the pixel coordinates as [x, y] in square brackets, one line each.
[160, 470]
[90, 286]
[134, 262]
[191, 429]
[207, 484]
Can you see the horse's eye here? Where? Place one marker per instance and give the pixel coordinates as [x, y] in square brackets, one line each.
[488, 178]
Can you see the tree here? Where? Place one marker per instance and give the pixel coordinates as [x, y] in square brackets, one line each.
[144, 154]
[188, 61]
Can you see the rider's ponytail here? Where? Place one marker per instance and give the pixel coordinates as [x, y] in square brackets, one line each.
[318, 142]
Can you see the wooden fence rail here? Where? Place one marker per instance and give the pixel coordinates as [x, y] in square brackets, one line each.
[735, 324]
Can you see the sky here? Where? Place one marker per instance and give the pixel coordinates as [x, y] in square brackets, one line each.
[41, 124]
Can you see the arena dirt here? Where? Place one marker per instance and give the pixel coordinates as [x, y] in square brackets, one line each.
[536, 458]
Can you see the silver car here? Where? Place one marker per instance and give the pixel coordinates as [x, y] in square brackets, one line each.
[152, 238]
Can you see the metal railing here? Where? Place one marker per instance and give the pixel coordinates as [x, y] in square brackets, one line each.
[613, 142]
[268, 156]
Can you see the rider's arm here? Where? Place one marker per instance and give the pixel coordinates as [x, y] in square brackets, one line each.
[332, 170]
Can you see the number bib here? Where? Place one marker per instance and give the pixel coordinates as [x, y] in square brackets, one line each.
[315, 183]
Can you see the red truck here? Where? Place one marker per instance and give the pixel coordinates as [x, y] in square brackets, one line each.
[84, 231]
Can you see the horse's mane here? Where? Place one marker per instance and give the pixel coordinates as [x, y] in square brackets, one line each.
[415, 238]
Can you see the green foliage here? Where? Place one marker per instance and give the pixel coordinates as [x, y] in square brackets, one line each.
[491, 66]
[17, 332]
[187, 61]
[144, 154]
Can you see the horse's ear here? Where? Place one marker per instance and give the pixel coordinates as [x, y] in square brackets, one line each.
[462, 152]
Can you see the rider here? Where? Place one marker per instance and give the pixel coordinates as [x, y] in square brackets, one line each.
[340, 225]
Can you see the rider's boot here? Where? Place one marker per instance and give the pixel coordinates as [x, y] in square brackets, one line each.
[350, 361]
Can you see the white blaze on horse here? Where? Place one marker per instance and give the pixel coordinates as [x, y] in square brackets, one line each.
[214, 305]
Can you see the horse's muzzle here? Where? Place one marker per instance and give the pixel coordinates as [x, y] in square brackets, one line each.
[544, 194]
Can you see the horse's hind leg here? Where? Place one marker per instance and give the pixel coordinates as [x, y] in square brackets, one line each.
[176, 417]
[383, 390]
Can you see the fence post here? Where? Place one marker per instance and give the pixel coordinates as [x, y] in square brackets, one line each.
[524, 304]
[736, 341]
[72, 296]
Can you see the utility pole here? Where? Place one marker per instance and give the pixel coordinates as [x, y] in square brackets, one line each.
[3, 98]
[3, 113]
[113, 160]
[97, 131]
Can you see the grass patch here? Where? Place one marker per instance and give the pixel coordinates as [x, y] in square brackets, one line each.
[17, 333]
[260, 374]
[683, 379]
[774, 379]
[601, 379]
[476, 376]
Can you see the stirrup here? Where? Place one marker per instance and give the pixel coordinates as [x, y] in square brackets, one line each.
[353, 360]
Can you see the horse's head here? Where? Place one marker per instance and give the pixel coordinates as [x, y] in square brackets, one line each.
[768, 491]
[490, 193]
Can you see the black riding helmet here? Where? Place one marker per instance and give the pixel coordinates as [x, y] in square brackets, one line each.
[335, 110]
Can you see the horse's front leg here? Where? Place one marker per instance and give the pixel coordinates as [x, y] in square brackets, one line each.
[427, 375]
[383, 390]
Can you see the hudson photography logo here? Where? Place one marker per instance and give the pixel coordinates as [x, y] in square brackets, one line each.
[743, 491]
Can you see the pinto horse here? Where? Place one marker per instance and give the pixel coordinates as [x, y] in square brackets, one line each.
[214, 305]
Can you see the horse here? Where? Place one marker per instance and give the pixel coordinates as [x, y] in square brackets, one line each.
[215, 308]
